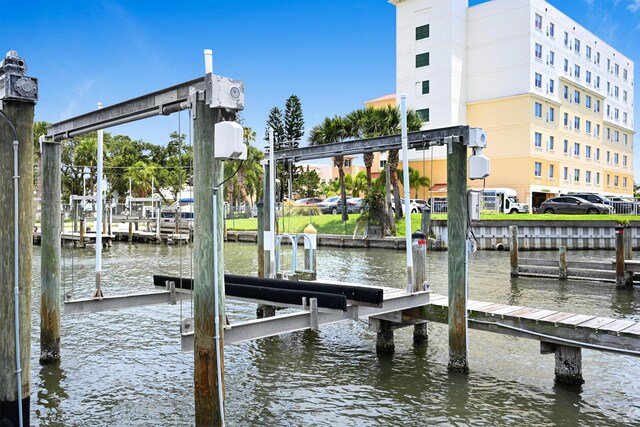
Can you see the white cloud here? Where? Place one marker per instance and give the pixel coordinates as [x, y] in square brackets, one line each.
[634, 6]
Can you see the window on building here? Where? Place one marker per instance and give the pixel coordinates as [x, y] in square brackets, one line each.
[576, 71]
[587, 177]
[576, 45]
[624, 182]
[576, 96]
[616, 91]
[551, 143]
[624, 161]
[587, 126]
[588, 52]
[608, 157]
[423, 114]
[576, 175]
[587, 101]
[552, 57]
[597, 180]
[537, 169]
[587, 152]
[597, 156]
[551, 171]
[596, 107]
[624, 74]
[566, 39]
[538, 22]
[615, 180]
[566, 119]
[565, 147]
[552, 114]
[616, 69]
[576, 123]
[538, 51]
[608, 88]
[538, 109]
[576, 149]
[551, 85]
[552, 30]
[422, 60]
[347, 163]
[597, 82]
[608, 64]
[598, 58]
[616, 114]
[538, 81]
[537, 140]
[624, 96]
[608, 180]
[565, 91]
[597, 132]
[588, 76]
[425, 87]
[624, 138]
[608, 110]
[616, 136]
[566, 66]
[565, 173]
[422, 32]
[383, 164]
[608, 133]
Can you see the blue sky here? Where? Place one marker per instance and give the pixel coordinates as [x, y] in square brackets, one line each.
[332, 54]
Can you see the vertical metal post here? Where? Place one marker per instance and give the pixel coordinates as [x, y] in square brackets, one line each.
[562, 263]
[158, 235]
[457, 254]
[98, 227]
[513, 247]
[51, 253]
[407, 189]
[620, 267]
[419, 256]
[272, 207]
[15, 263]
[207, 172]
[260, 242]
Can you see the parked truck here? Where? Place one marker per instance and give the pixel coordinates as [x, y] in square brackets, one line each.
[501, 200]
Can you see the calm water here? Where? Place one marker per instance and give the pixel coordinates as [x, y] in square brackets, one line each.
[125, 368]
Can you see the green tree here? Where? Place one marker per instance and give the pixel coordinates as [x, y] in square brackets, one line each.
[39, 129]
[275, 122]
[293, 122]
[307, 184]
[415, 179]
[360, 184]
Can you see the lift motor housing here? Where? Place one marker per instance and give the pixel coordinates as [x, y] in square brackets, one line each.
[14, 85]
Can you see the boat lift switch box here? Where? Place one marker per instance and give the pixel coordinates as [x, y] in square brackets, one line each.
[228, 141]
[473, 205]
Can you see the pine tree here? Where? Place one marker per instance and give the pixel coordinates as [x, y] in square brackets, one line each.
[276, 123]
[293, 121]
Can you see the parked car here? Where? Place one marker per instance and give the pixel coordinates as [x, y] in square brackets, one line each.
[330, 205]
[308, 201]
[573, 205]
[420, 204]
[591, 197]
[622, 205]
[354, 205]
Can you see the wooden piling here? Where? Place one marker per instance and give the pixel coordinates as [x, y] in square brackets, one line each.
[82, 228]
[562, 263]
[384, 338]
[628, 253]
[513, 246]
[208, 172]
[50, 253]
[568, 365]
[457, 255]
[620, 272]
[21, 115]
[419, 256]
[130, 231]
[425, 222]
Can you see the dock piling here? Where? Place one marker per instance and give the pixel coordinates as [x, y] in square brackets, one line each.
[568, 365]
[513, 246]
[384, 338]
[82, 231]
[620, 267]
[419, 252]
[562, 263]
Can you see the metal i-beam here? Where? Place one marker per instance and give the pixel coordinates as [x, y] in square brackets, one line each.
[417, 140]
[162, 102]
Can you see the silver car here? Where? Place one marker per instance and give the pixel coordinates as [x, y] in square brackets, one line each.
[573, 205]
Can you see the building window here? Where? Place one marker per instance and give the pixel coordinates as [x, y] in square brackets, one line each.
[576, 45]
[552, 29]
[624, 138]
[383, 164]
[538, 109]
[624, 182]
[565, 173]
[576, 96]
[587, 177]
[596, 107]
[588, 52]
[576, 123]
[551, 85]
[624, 74]
[588, 76]
[624, 118]
[608, 133]
[347, 163]
[538, 22]
[587, 101]
[624, 161]
[576, 175]
[422, 60]
[551, 143]
[538, 140]
[566, 66]
[597, 157]
[608, 110]
[539, 51]
[552, 114]
[616, 114]
[425, 87]
[608, 88]
[587, 152]
[576, 71]
[597, 132]
[608, 180]
[617, 70]
[552, 57]
[597, 181]
[616, 136]
[423, 114]
[422, 32]
[538, 80]
[624, 96]
[608, 158]
[616, 158]
[566, 119]
[565, 91]
[597, 82]
[615, 181]
[587, 126]
[565, 146]
[566, 39]
[537, 167]
[608, 64]
[576, 149]
[616, 91]
[598, 58]
[551, 171]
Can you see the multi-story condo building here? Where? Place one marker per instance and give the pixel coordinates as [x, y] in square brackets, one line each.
[556, 101]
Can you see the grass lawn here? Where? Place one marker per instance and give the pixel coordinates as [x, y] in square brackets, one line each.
[332, 224]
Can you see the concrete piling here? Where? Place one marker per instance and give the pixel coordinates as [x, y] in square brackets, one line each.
[562, 263]
[513, 247]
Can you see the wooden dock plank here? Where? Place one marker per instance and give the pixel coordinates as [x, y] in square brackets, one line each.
[489, 308]
[477, 305]
[618, 325]
[524, 312]
[556, 317]
[576, 319]
[539, 314]
[633, 330]
[506, 310]
[596, 323]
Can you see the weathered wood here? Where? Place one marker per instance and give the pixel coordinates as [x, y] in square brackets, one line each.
[562, 263]
[568, 364]
[620, 279]
[457, 255]
[208, 173]
[384, 338]
[419, 257]
[21, 115]
[513, 248]
[50, 254]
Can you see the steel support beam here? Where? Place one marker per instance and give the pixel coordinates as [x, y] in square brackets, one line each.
[95, 305]
[417, 140]
[162, 102]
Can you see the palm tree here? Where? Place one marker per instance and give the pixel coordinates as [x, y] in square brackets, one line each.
[328, 132]
[248, 136]
[415, 179]
[360, 184]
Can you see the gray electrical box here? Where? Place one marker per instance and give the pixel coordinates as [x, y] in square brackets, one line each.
[226, 93]
[14, 85]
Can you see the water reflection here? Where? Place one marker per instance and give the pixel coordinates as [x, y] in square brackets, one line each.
[50, 394]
